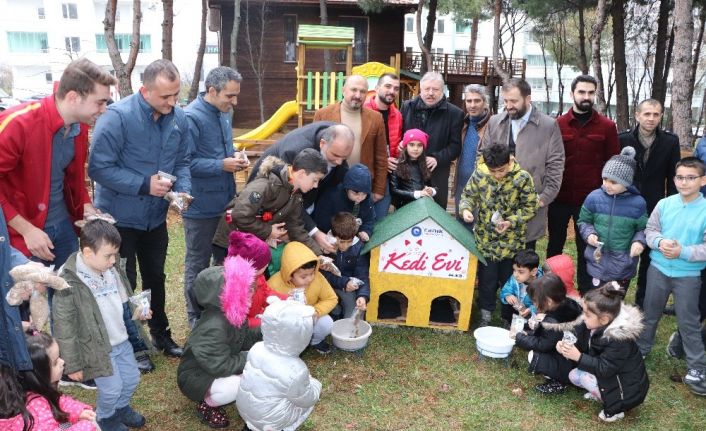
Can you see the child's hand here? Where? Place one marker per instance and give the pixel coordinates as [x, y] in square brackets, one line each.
[87, 415]
[503, 226]
[525, 313]
[569, 351]
[670, 248]
[363, 236]
[360, 304]
[511, 299]
[592, 240]
[351, 286]
[636, 249]
[278, 231]
[77, 376]
[467, 216]
[429, 191]
[148, 316]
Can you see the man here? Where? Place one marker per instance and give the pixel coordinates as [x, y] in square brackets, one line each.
[590, 140]
[386, 92]
[535, 139]
[657, 153]
[475, 100]
[335, 141]
[137, 141]
[442, 121]
[43, 149]
[370, 145]
[212, 167]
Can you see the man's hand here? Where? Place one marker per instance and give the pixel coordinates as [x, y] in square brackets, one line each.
[377, 197]
[431, 163]
[364, 236]
[322, 241]
[467, 216]
[159, 187]
[278, 231]
[234, 164]
[391, 164]
[39, 244]
[592, 240]
[636, 249]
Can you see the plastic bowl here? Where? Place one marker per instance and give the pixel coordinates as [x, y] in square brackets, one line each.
[343, 332]
[493, 342]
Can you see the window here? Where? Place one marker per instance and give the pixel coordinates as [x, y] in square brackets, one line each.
[463, 27]
[69, 10]
[49, 78]
[40, 13]
[461, 52]
[73, 44]
[409, 27]
[437, 50]
[539, 84]
[290, 38]
[537, 60]
[440, 26]
[20, 41]
[142, 76]
[408, 49]
[123, 42]
[360, 49]
[211, 49]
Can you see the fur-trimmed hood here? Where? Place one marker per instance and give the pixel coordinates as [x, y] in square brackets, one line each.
[270, 164]
[626, 326]
[565, 317]
[228, 288]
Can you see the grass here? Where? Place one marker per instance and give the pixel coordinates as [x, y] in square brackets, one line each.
[422, 379]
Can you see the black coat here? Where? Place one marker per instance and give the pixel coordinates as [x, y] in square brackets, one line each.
[402, 191]
[546, 360]
[612, 355]
[654, 179]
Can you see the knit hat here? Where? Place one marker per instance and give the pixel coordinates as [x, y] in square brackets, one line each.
[415, 135]
[249, 247]
[621, 168]
[358, 179]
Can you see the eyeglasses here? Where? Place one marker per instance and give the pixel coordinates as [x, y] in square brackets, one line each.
[688, 179]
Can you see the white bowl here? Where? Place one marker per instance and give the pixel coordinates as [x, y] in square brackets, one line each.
[493, 342]
[343, 334]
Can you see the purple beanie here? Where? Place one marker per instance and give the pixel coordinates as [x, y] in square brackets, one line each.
[249, 247]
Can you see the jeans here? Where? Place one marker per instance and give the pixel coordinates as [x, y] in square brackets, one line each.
[198, 236]
[490, 277]
[383, 205]
[149, 248]
[322, 328]
[133, 335]
[65, 241]
[115, 392]
[559, 215]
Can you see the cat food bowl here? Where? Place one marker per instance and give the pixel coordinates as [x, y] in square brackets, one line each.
[345, 337]
[493, 342]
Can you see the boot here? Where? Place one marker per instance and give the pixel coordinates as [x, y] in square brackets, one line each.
[485, 317]
[214, 417]
[130, 417]
[112, 423]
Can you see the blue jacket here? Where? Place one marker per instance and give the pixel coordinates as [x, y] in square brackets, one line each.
[332, 201]
[512, 287]
[211, 142]
[13, 349]
[128, 148]
[351, 264]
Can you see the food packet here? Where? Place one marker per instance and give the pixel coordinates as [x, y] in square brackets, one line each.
[142, 305]
[328, 265]
[517, 325]
[358, 282]
[496, 218]
[297, 294]
[179, 201]
[598, 253]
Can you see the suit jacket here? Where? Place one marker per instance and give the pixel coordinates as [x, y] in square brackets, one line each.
[373, 146]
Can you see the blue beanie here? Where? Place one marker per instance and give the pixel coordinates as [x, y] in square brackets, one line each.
[358, 179]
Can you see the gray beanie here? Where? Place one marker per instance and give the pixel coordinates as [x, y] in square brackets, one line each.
[621, 168]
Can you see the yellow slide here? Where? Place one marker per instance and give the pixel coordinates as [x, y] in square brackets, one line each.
[273, 124]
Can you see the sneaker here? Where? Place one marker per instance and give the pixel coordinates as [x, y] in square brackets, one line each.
[214, 417]
[696, 381]
[589, 396]
[610, 418]
[550, 387]
[144, 363]
[323, 347]
[86, 384]
[485, 317]
[675, 348]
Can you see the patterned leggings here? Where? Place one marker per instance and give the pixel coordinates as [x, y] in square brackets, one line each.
[585, 380]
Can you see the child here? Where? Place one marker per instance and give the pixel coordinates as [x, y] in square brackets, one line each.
[611, 368]
[299, 277]
[270, 206]
[353, 196]
[351, 295]
[513, 295]
[505, 200]
[412, 178]
[559, 314]
[89, 326]
[216, 351]
[616, 215]
[563, 266]
[35, 396]
[675, 232]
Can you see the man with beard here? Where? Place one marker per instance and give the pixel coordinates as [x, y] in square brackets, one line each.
[535, 139]
[590, 140]
[441, 120]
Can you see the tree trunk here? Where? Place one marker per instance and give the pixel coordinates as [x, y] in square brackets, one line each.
[194, 90]
[697, 48]
[123, 71]
[323, 12]
[167, 27]
[582, 60]
[658, 79]
[234, 35]
[497, 12]
[621, 78]
[255, 44]
[474, 37]
[426, 55]
[596, 54]
[681, 94]
[429, 33]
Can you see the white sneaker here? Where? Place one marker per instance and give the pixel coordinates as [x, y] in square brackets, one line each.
[693, 376]
[605, 418]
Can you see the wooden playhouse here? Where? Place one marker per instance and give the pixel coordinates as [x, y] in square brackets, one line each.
[422, 253]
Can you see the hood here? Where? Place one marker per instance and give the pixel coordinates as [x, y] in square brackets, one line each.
[227, 288]
[287, 326]
[358, 179]
[568, 314]
[563, 266]
[270, 164]
[295, 255]
[626, 326]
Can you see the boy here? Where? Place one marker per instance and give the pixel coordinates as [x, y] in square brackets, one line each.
[504, 197]
[89, 326]
[351, 295]
[678, 255]
[299, 277]
[513, 295]
[352, 195]
[270, 206]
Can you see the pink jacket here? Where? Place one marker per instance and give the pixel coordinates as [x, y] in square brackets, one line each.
[40, 410]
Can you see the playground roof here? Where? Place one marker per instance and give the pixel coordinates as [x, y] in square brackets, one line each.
[415, 212]
[322, 35]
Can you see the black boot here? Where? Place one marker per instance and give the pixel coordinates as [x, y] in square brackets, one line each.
[112, 423]
[165, 343]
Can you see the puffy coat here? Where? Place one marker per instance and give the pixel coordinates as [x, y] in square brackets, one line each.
[563, 266]
[618, 221]
[276, 391]
[614, 358]
[518, 290]
[394, 125]
[40, 409]
[542, 341]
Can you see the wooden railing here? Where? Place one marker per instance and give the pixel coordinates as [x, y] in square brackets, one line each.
[451, 64]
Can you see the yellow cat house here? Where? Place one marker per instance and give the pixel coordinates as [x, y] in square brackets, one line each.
[419, 254]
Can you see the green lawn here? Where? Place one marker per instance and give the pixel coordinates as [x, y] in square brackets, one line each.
[421, 379]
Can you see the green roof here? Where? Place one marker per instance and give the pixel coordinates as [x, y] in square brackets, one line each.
[325, 35]
[415, 212]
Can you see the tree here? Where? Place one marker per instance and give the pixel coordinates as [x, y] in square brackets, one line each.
[167, 27]
[596, 31]
[681, 94]
[123, 71]
[194, 91]
[429, 33]
[323, 15]
[621, 79]
[6, 77]
[659, 73]
[255, 26]
[234, 35]
[497, 13]
[464, 11]
[426, 52]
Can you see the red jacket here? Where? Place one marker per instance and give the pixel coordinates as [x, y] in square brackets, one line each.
[26, 133]
[394, 125]
[259, 301]
[587, 147]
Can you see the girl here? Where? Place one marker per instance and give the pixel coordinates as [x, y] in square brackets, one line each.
[44, 408]
[411, 179]
[557, 313]
[611, 369]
